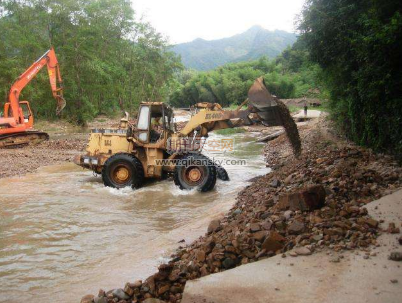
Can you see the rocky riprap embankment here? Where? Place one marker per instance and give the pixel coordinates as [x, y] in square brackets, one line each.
[305, 205]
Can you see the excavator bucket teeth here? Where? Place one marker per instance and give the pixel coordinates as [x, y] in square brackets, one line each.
[263, 103]
[61, 104]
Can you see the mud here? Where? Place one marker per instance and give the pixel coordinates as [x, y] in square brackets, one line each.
[66, 141]
[20, 161]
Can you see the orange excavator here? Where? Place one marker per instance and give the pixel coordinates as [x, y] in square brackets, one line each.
[17, 123]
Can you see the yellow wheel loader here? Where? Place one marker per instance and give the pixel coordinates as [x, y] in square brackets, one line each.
[153, 148]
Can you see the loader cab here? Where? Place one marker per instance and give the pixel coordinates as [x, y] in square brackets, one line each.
[155, 122]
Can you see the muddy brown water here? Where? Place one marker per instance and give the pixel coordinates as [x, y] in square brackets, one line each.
[63, 234]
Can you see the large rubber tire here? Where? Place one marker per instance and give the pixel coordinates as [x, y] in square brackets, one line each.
[123, 170]
[222, 173]
[196, 175]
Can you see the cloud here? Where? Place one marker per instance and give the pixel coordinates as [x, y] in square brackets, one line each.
[185, 20]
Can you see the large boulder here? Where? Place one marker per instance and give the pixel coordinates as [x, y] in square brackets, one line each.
[87, 299]
[120, 294]
[214, 226]
[307, 199]
[273, 242]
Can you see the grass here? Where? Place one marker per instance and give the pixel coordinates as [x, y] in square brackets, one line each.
[294, 109]
[234, 106]
[230, 131]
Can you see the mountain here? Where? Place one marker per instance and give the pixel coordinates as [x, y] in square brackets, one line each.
[202, 54]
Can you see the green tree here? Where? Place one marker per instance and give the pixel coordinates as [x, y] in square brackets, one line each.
[290, 75]
[359, 46]
[109, 61]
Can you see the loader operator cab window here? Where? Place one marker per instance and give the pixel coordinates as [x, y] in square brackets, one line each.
[153, 121]
[143, 123]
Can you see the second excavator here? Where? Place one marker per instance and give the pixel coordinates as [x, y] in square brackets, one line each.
[16, 125]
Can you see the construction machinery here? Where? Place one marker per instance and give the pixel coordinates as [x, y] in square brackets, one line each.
[128, 155]
[17, 123]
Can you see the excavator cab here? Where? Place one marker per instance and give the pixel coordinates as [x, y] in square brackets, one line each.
[26, 112]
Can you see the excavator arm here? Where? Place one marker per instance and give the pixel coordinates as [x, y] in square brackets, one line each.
[50, 60]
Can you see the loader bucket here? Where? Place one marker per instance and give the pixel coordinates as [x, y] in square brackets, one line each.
[264, 104]
[273, 112]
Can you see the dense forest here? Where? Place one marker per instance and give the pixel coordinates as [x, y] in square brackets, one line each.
[109, 60]
[358, 45]
[290, 75]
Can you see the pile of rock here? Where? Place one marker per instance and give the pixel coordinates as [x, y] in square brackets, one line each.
[64, 144]
[312, 203]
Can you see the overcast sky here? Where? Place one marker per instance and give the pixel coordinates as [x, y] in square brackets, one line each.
[186, 20]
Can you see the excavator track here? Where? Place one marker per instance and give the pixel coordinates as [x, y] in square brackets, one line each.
[22, 139]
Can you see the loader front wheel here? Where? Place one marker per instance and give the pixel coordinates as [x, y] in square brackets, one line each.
[123, 170]
[195, 171]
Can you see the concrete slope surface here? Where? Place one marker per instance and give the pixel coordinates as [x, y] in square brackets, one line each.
[352, 276]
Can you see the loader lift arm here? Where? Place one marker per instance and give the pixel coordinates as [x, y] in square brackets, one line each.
[261, 107]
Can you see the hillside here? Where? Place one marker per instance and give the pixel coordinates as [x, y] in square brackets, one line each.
[201, 54]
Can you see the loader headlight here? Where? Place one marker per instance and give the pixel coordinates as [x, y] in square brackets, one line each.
[86, 160]
[94, 161]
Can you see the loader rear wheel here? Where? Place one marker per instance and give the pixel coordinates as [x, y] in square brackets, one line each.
[222, 173]
[199, 172]
[122, 170]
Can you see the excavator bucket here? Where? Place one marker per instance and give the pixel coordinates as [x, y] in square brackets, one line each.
[61, 104]
[264, 104]
[273, 112]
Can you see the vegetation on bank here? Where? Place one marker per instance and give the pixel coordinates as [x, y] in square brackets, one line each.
[230, 131]
[290, 75]
[358, 45]
[109, 60]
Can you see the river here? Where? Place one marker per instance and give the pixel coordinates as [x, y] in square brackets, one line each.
[63, 234]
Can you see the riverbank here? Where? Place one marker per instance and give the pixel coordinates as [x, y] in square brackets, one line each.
[306, 205]
[66, 141]
[328, 276]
